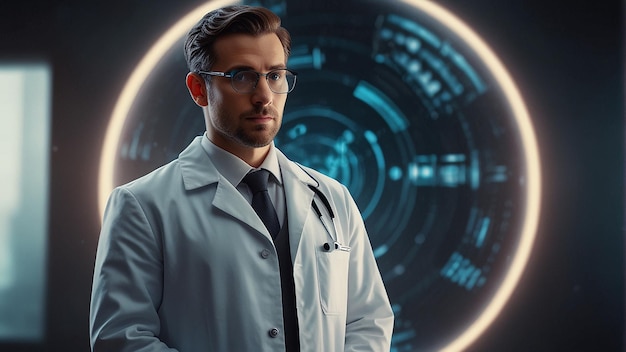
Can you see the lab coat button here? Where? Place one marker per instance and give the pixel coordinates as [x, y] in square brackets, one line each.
[273, 332]
[265, 253]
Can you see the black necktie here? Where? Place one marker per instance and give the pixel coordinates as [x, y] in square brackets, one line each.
[261, 202]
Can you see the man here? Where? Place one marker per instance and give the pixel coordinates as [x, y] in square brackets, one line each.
[186, 263]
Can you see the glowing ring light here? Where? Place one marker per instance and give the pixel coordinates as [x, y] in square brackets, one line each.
[130, 90]
[513, 98]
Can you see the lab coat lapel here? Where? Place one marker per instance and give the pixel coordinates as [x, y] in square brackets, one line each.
[298, 197]
[199, 171]
[230, 201]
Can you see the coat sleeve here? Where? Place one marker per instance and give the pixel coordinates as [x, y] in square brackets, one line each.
[127, 282]
[369, 324]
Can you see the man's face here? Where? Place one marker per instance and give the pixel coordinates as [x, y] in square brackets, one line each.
[237, 122]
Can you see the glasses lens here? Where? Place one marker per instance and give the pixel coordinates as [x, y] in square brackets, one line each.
[281, 81]
[245, 81]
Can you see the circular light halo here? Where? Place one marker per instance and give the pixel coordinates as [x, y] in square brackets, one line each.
[132, 87]
[529, 143]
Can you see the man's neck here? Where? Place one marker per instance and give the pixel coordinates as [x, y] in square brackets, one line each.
[251, 156]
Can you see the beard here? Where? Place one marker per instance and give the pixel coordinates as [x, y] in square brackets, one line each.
[235, 128]
[261, 136]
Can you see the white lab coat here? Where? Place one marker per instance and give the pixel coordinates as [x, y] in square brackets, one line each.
[185, 264]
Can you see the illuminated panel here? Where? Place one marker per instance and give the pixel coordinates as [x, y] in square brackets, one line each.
[408, 108]
[24, 144]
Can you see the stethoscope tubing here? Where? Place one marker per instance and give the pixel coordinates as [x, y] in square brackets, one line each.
[335, 243]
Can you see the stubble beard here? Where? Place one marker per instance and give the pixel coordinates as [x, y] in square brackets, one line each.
[262, 136]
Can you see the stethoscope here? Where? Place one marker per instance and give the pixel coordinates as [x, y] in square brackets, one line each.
[334, 244]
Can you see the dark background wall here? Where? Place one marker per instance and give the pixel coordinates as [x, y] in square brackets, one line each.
[566, 57]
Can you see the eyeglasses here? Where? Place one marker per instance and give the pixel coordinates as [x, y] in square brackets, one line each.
[281, 81]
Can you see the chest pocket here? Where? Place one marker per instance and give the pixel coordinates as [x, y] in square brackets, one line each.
[332, 270]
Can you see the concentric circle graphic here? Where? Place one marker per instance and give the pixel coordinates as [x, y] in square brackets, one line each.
[411, 110]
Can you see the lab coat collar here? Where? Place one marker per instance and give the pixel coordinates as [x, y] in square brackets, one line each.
[290, 169]
[196, 167]
[198, 171]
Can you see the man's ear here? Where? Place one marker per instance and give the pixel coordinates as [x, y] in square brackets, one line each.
[197, 89]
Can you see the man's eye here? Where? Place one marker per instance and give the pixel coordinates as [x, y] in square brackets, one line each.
[245, 76]
[275, 76]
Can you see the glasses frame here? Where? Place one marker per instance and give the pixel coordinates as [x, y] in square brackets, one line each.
[231, 75]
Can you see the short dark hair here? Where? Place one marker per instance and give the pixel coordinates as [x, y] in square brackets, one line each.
[235, 19]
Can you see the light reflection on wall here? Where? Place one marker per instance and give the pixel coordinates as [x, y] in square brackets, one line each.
[24, 150]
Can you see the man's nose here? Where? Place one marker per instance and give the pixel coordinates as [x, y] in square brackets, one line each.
[262, 94]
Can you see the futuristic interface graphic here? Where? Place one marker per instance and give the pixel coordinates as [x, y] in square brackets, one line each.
[401, 103]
